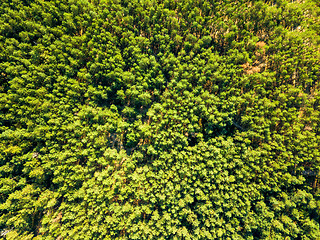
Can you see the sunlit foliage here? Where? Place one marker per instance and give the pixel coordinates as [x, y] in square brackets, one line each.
[168, 119]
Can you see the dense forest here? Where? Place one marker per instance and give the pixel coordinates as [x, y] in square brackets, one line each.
[159, 119]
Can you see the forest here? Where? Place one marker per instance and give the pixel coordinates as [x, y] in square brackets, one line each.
[159, 119]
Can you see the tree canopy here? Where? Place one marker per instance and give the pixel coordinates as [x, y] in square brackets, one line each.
[167, 119]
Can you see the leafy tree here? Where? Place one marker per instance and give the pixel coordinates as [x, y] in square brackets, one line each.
[159, 119]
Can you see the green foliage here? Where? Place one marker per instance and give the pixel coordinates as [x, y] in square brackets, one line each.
[159, 119]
